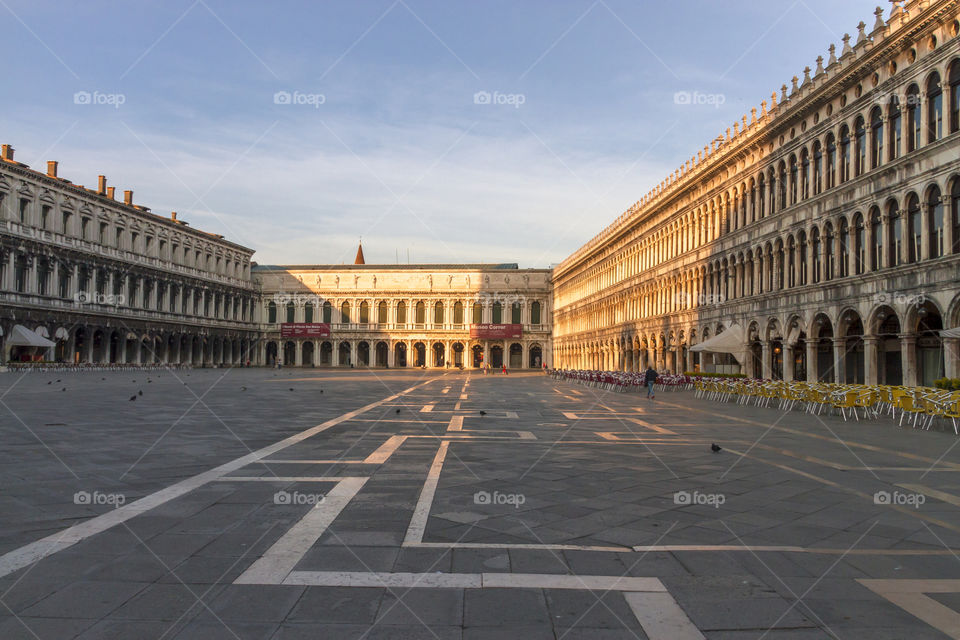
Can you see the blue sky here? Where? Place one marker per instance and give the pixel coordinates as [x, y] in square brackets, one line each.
[387, 133]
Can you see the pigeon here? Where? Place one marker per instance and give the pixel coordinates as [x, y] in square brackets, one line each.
[715, 448]
[140, 393]
[398, 410]
[58, 379]
[132, 398]
[321, 390]
[51, 382]
[291, 388]
[243, 388]
[482, 412]
[103, 378]
[64, 389]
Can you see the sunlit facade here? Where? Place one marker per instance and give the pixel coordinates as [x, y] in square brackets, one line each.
[824, 228]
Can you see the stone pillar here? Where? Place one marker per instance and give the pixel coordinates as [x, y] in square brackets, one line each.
[765, 363]
[951, 357]
[839, 372]
[298, 355]
[908, 357]
[871, 356]
[788, 363]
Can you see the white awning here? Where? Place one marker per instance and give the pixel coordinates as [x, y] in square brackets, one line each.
[730, 341]
[20, 336]
[950, 333]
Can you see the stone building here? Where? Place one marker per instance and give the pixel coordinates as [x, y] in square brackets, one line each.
[109, 281]
[431, 315]
[821, 232]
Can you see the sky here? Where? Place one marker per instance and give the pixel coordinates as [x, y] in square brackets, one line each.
[438, 131]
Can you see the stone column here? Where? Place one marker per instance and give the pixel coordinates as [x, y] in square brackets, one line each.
[870, 359]
[908, 357]
[788, 363]
[951, 357]
[765, 362]
[811, 361]
[839, 348]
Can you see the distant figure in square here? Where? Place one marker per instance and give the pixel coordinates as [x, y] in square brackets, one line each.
[651, 378]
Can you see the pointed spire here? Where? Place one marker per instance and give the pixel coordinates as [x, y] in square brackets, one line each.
[879, 24]
[819, 65]
[359, 259]
[846, 45]
[861, 32]
[832, 60]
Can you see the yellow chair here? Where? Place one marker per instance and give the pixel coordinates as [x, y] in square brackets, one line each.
[907, 405]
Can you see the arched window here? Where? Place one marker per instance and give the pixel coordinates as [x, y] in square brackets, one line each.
[817, 168]
[772, 178]
[783, 186]
[382, 313]
[345, 312]
[477, 313]
[753, 201]
[896, 127]
[859, 147]
[828, 240]
[844, 233]
[935, 222]
[876, 138]
[791, 262]
[458, 313]
[364, 313]
[859, 251]
[438, 313]
[914, 237]
[272, 312]
[401, 312]
[804, 175]
[953, 79]
[844, 154]
[913, 118]
[327, 312]
[895, 226]
[420, 312]
[516, 313]
[535, 313]
[497, 313]
[794, 178]
[802, 251]
[831, 168]
[876, 230]
[308, 312]
[934, 108]
[291, 311]
[955, 213]
[761, 197]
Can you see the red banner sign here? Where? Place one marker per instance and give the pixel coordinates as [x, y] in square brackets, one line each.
[305, 330]
[496, 331]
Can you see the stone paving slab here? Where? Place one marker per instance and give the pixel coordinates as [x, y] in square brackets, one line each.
[765, 539]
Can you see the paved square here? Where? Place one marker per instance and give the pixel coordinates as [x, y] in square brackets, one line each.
[309, 503]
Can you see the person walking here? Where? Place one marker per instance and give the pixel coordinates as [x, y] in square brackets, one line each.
[504, 368]
[651, 378]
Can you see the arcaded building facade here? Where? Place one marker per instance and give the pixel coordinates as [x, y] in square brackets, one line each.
[434, 316]
[108, 281]
[823, 229]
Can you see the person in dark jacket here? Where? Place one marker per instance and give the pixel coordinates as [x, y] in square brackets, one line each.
[650, 377]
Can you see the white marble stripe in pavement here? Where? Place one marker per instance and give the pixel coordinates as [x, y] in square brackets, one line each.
[280, 559]
[34, 551]
[418, 522]
[473, 581]
[661, 617]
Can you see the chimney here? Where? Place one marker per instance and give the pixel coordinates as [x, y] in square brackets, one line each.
[173, 216]
[128, 197]
[7, 153]
[110, 192]
[52, 168]
[102, 185]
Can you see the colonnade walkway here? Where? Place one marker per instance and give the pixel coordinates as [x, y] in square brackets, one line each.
[296, 503]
